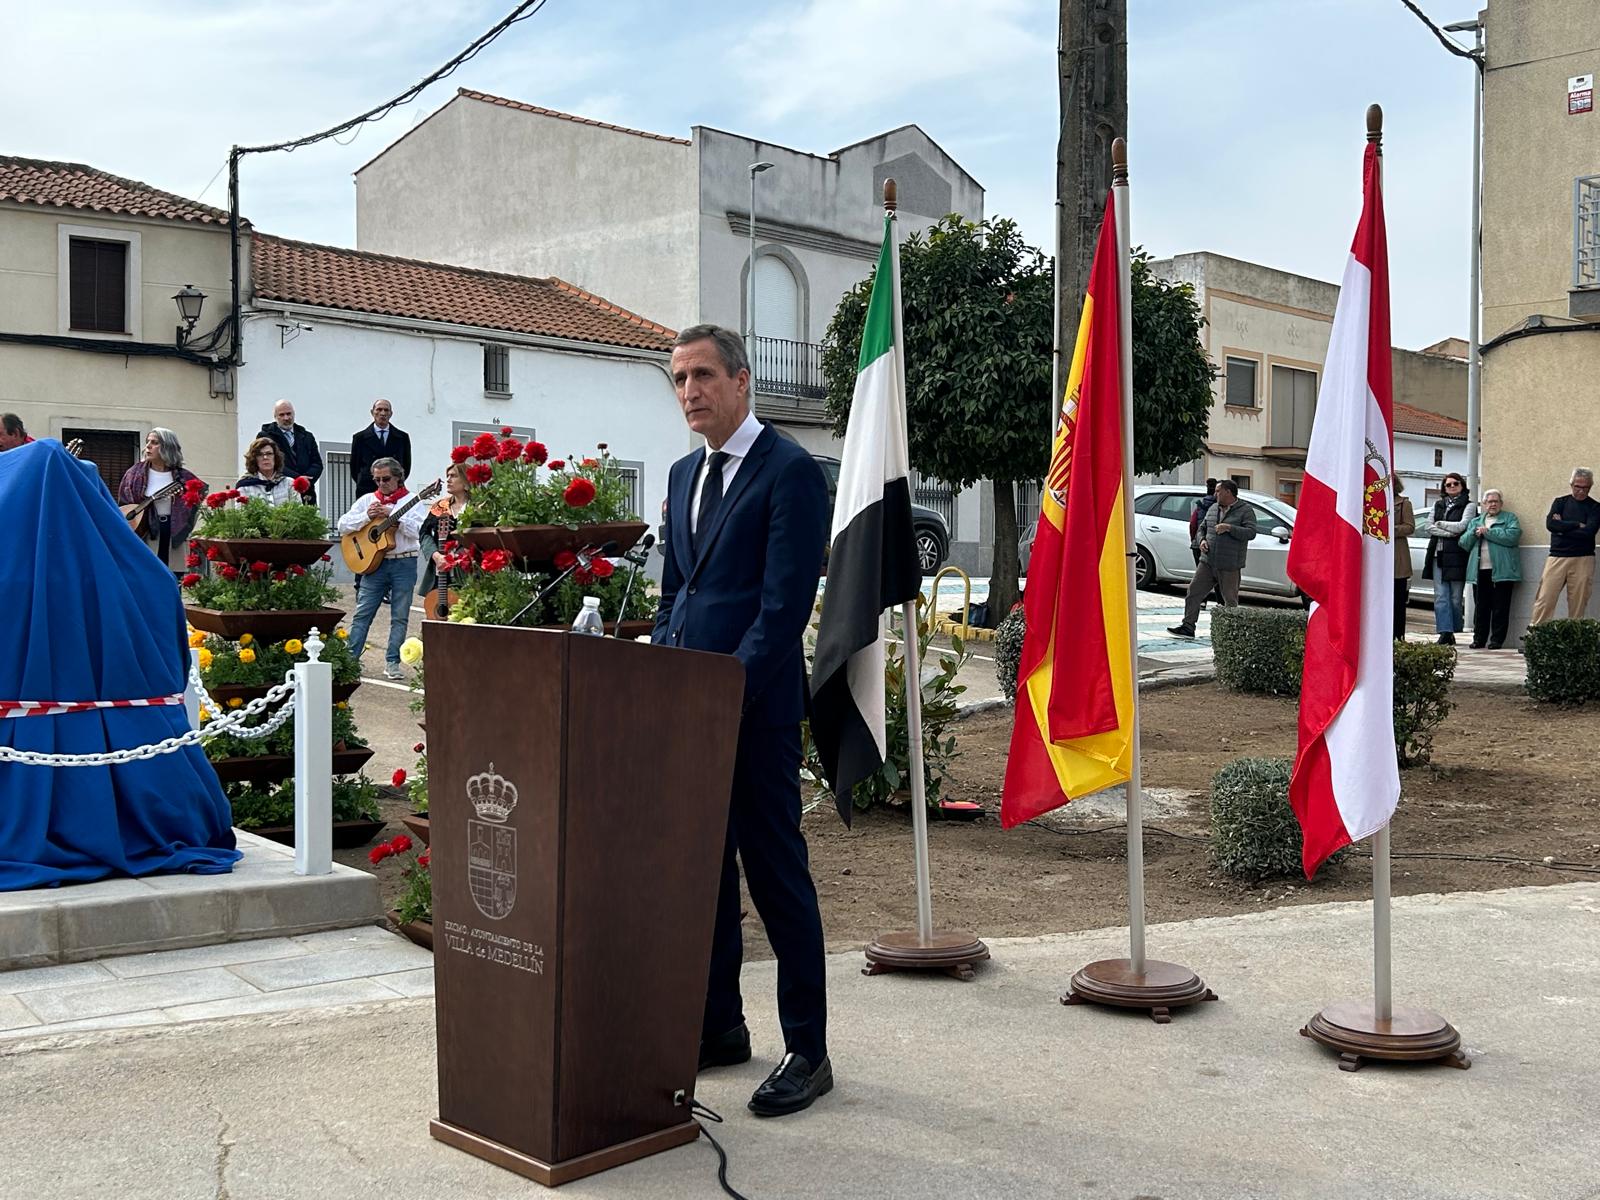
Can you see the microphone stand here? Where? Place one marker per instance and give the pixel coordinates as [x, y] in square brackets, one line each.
[635, 559]
[584, 558]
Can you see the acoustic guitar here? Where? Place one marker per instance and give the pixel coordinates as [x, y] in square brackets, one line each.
[436, 604]
[138, 515]
[364, 550]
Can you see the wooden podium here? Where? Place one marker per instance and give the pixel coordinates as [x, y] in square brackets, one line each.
[578, 795]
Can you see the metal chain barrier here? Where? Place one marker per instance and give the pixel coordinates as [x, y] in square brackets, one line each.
[232, 723]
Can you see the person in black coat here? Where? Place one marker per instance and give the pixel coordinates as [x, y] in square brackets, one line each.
[1446, 562]
[378, 440]
[301, 454]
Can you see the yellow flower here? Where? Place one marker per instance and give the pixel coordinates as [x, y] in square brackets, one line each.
[196, 638]
[205, 713]
[293, 646]
[247, 655]
[235, 702]
[245, 639]
[341, 634]
[205, 659]
[341, 704]
[411, 651]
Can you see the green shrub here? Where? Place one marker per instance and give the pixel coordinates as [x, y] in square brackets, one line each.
[1563, 661]
[1259, 649]
[258, 519]
[1422, 675]
[355, 798]
[1254, 832]
[1008, 637]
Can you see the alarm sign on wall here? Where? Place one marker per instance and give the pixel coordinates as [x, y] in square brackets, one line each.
[1580, 95]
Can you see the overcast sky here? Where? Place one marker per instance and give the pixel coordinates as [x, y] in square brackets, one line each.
[1246, 115]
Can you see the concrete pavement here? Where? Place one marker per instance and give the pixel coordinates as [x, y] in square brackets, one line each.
[945, 1089]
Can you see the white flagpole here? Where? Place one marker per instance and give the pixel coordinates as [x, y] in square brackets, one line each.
[913, 659]
[1382, 960]
[1119, 192]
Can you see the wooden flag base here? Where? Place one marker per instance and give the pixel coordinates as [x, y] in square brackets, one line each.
[1159, 988]
[1411, 1035]
[953, 953]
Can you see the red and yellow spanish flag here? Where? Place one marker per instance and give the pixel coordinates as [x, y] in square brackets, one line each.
[1074, 713]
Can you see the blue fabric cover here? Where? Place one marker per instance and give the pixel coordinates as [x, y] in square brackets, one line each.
[93, 615]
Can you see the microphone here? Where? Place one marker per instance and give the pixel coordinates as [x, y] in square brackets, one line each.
[635, 559]
[581, 558]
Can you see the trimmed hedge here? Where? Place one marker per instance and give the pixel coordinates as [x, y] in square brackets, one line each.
[1422, 675]
[1254, 832]
[1563, 661]
[1008, 637]
[1259, 649]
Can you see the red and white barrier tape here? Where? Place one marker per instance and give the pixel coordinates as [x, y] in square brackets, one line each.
[53, 708]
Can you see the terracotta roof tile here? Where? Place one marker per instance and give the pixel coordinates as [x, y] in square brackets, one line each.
[520, 106]
[74, 185]
[360, 281]
[1408, 418]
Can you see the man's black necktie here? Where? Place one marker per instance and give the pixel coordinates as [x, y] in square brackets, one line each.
[710, 497]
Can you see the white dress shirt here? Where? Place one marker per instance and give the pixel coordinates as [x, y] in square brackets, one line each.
[406, 539]
[736, 448]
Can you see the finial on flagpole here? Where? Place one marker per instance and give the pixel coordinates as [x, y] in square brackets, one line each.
[889, 203]
[1119, 161]
[1375, 123]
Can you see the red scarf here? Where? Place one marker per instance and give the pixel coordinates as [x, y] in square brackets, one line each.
[392, 496]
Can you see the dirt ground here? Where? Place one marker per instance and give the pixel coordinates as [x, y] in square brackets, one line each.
[1510, 779]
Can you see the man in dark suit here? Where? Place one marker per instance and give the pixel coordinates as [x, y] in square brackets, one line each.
[747, 520]
[301, 454]
[378, 440]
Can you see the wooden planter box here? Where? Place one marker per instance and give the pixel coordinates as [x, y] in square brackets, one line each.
[280, 552]
[536, 545]
[246, 769]
[420, 932]
[267, 626]
[347, 835]
[247, 692]
[417, 823]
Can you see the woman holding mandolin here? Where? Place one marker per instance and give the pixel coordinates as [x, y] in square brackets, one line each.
[154, 496]
[437, 528]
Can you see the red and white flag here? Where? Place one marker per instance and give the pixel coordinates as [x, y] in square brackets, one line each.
[1346, 778]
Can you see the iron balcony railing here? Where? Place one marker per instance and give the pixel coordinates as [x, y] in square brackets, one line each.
[785, 368]
[1586, 232]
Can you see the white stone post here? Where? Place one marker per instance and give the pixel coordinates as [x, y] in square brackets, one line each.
[313, 762]
[191, 695]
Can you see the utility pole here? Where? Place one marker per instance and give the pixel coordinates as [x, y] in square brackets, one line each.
[1093, 59]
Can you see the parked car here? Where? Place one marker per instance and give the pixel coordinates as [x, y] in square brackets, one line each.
[1161, 531]
[933, 535]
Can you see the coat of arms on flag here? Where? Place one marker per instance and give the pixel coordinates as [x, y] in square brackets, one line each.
[492, 844]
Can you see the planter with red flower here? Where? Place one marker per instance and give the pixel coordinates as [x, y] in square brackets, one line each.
[534, 507]
[413, 912]
[234, 530]
[272, 602]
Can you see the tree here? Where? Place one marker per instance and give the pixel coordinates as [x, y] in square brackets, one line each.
[978, 313]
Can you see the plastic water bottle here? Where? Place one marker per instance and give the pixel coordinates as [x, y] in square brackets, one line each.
[588, 618]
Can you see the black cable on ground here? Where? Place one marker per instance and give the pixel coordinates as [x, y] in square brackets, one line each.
[722, 1155]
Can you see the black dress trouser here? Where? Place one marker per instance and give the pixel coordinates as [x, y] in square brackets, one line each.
[1491, 614]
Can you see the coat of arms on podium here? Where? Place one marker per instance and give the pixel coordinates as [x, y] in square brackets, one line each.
[491, 844]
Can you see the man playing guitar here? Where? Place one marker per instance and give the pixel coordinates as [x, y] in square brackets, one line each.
[396, 576]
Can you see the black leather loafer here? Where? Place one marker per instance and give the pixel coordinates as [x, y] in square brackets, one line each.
[726, 1049]
[792, 1086]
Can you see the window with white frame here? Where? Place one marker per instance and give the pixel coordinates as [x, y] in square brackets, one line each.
[497, 370]
[1241, 391]
[97, 272]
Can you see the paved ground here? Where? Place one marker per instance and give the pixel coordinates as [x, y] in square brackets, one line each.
[946, 1089]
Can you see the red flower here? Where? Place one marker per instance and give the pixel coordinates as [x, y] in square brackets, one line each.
[192, 560]
[495, 560]
[581, 575]
[417, 749]
[591, 462]
[280, 576]
[297, 569]
[557, 464]
[378, 853]
[260, 568]
[213, 553]
[534, 452]
[325, 558]
[479, 473]
[423, 860]
[579, 493]
[216, 499]
[506, 431]
[193, 488]
[399, 779]
[190, 580]
[485, 446]
[509, 451]
[194, 543]
[401, 843]
[601, 568]
[564, 559]
[230, 572]
[460, 454]
[302, 484]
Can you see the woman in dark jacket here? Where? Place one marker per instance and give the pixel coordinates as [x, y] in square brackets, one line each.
[1446, 562]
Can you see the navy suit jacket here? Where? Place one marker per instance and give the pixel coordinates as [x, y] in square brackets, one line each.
[366, 449]
[751, 590]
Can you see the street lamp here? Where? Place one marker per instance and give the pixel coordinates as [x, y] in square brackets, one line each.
[750, 276]
[190, 300]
